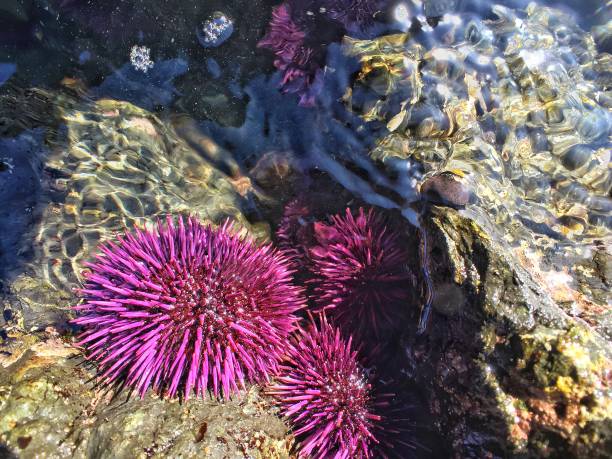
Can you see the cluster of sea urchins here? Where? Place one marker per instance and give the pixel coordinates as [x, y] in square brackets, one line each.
[356, 267]
[187, 308]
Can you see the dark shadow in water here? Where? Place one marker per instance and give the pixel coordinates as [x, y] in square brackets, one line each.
[6, 453]
[21, 171]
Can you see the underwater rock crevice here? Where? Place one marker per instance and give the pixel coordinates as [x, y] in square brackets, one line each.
[512, 371]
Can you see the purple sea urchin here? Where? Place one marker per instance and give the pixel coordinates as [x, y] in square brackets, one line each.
[301, 74]
[323, 390]
[299, 33]
[360, 275]
[353, 13]
[189, 307]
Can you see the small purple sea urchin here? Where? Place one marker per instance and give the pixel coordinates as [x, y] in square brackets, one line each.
[187, 307]
[353, 13]
[323, 390]
[301, 30]
[301, 74]
[360, 275]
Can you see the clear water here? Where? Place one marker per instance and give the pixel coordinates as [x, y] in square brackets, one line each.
[513, 100]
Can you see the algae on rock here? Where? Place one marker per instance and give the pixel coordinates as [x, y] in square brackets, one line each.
[509, 373]
[51, 407]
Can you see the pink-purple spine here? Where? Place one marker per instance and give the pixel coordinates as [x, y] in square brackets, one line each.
[187, 307]
[324, 393]
[360, 275]
[293, 57]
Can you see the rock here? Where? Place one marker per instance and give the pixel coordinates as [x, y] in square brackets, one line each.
[602, 34]
[20, 190]
[508, 372]
[215, 30]
[435, 9]
[50, 405]
[277, 172]
[446, 189]
[150, 90]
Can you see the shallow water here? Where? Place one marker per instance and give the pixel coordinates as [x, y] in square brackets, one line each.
[500, 111]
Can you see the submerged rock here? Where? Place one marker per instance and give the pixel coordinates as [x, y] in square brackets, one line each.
[446, 189]
[143, 83]
[105, 166]
[509, 373]
[49, 403]
[517, 107]
[215, 30]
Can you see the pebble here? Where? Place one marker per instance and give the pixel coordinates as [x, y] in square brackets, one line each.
[446, 189]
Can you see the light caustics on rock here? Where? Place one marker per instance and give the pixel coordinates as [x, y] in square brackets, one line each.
[507, 119]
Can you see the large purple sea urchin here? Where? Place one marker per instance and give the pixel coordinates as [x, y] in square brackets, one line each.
[323, 391]
[187, 307]
[360, 274]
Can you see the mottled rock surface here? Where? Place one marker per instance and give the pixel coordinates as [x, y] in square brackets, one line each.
[51, 407]
[509, 373]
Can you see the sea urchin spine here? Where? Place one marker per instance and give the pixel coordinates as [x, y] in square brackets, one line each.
[360, 273]
[301, 75]
[323, 391]
[187, 307]
[294, 235]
